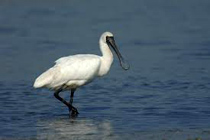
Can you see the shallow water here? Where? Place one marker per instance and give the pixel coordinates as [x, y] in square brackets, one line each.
[165, 94]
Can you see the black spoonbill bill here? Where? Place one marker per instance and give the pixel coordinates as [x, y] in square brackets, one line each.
[71, 72]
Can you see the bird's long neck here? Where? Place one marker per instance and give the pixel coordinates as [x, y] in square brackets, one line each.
[106, 58]
[105, 50]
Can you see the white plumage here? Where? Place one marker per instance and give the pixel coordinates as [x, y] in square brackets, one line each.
[70, 72]
[74, 71]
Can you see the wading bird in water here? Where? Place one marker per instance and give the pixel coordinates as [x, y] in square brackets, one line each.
[71, 72]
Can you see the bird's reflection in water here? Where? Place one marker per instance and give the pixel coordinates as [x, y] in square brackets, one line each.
[74, 129]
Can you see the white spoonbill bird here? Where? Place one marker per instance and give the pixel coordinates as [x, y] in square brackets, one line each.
[71, 72]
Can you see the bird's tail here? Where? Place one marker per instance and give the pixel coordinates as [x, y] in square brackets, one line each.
[44, 79]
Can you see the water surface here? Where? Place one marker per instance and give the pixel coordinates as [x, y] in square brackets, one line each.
[165, 94]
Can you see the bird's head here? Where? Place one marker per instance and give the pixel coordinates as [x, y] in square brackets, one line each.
[108, 38]
[105, 35]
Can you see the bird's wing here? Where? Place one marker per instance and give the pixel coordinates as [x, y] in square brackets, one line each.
[77, 67]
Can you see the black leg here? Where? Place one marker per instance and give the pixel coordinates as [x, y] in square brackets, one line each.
[56, 94]
[72, 96]
[74, 112]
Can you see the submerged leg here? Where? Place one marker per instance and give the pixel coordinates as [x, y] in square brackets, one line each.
[56, 94]
[74, 112]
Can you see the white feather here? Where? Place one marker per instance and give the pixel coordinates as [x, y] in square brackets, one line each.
[71, 71]
[77, 70]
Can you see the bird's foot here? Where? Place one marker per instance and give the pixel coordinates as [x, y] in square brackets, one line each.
[73, 112]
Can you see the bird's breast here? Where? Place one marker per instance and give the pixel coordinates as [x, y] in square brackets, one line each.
[105, 66]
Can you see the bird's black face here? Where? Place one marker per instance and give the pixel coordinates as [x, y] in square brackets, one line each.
[111, 42]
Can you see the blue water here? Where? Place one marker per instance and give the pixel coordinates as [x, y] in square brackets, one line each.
[165, 94]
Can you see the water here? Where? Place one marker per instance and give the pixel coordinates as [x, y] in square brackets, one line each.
[165, 94]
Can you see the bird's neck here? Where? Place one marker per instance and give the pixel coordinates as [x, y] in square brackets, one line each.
[106, 58]
[105, 50]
